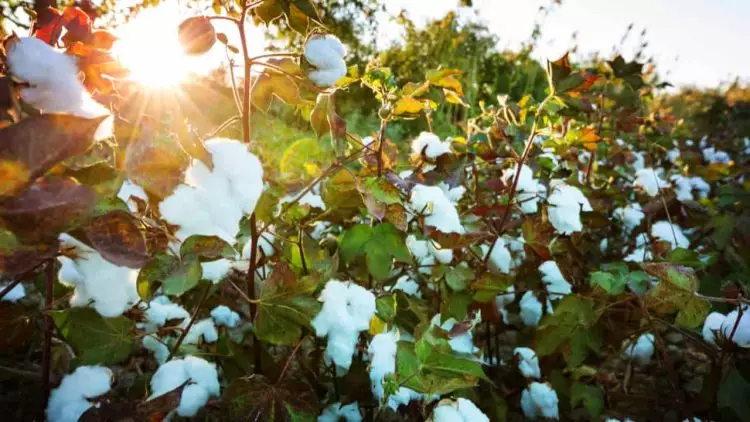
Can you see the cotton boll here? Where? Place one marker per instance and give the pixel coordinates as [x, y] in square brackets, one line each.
[431, 145]
[741, 335]
[197, 372]
[649, 181]
[531, 309]
[130, 189]
[112, 288]
[382, 352]
[539, 400]
[444, 256]
[215, 271]
[453, 194]
[15, 294]
[447, 413]
[407, 285]
[462, 343]
[700, 185]
[528, 189]
[160, 310]
[193, 398]
[160, 350]
[438, 210]
[682, 187]
[641, 350]
[566, 203]
[714, 156]
[500, 259]
[528, 363]
[630, 216]
[460, 410]
[470, 411]
[338, 413]
[504, 299]
[673, 155]
[319, 228]
[554, 280]
[672, 233]
[204, 328]
[713, 323]
[222, 315]
[326, 53]
[309, 198]
[327, 77]
[70, 400]
[204, 373]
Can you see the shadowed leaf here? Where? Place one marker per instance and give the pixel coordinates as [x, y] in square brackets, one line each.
[118, 239]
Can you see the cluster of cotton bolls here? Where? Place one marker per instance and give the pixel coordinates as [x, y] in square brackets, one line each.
[109, 288]
[54, 86]
[326, 53]
[684, 187]
[459, 410]
[72, 398]
[346, 311]
[538, 399]
[199, 376]
[734, 325]
[382, 354]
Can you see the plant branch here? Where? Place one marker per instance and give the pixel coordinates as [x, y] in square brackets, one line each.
[191, 322]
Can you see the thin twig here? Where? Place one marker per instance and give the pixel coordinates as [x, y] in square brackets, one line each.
[222, 126]
[191, 322]
[289, 360]
[381, 142]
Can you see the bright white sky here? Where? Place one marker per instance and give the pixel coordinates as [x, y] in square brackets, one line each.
[699, 42]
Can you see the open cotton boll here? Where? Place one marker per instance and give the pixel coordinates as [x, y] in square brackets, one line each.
[741, 335]
[672, 233]
[326, 53]
[566, 203]
[112, 288]
[202, 383]
[528, 362]
[204, 328]
[714, 156]
[630, 216]
[453, 194]
[431, 145]
[531, 309]
[462, 343]
[438, 210]
[153, 344]
[53, 76]
[15, 294]
[215, 271]
[554, 280]
[641, 251]
[713, 323]
[71, 399]
[347, 310]
[528, 189]
[407, 285]
[539, 400]
[218, 198]
[159, 311]
[700, 185]
[222, 315]
[673, 155]
[382, 353]
[641, 350]
[130, 189]
[338, 413]
[648, 180]
[461, 410]
[319, 229]
[682, 187]
[500, 259]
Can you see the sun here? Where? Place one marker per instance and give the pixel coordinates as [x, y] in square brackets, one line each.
[148, 46]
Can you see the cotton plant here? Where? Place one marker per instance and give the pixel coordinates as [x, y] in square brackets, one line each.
[199, 376]
[459, 410]
[109, 288]
[346, 311]
[326, 53]
[566, 203]
[77, 393]
[539, 400]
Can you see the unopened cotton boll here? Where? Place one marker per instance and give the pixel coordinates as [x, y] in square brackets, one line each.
[566, 203]
[53, 79]
[110, 287]
[539, 400]
[531, 309]
[202, 382]
[461, 410]
[554, 280]
[630, 216]
[641, 350]
[326, 53]
[347, 310]
[222, 315]
[741, 335]
[430, 145]
[339, 413]
[649, 181]
[528, 362]
[713, 323]
[71, 399]
[438, 210]
[668, 232]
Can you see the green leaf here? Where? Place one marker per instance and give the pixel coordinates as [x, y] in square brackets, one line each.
[734, 397]
[156, 270]
[386, 307]
[457, 278]
[610, 283]
[489, 285]
[209, 248]
[183, 277]
[571, 315]
[692, 312]
[590, 396]
[353, 241]
[383, 191]
[686, 257]
[412, 374]
[96, 340]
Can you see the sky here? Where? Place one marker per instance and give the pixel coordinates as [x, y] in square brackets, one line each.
[694, 42]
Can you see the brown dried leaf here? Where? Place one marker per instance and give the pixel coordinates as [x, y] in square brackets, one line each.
[118, 239]
[156, 162]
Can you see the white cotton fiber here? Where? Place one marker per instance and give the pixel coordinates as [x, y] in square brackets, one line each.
[641, 350]
[630, 216]
[460, 410]
[554, 280]
[528, 190]
[339, 413]
[672, 233]
[326, 53]
[202, 382]
[566, 203]
[528, 363]
[438, 210]
[70, 400]
[713, 323]
[539, 400]
[648, 179]
[531, 309]
[431, 145]
[222, 315]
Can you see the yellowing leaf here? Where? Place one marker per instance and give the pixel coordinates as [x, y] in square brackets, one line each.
[408, 105]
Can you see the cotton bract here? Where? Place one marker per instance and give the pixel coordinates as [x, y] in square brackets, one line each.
[109, 288]
[539, 400]
[70, 400]
[216, 199]
[202, 383]
[566, 203]
[326, 53]
[347, 310]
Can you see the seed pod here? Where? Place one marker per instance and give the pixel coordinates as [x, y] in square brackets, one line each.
[196, 35]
